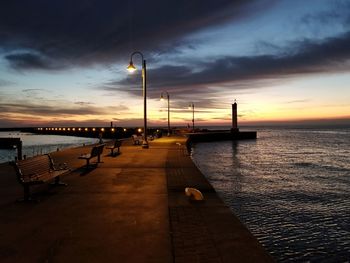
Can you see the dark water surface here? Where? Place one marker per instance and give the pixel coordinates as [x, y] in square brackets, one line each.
[290, 187]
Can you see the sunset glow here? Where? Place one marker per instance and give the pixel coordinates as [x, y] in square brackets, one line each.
[281, 60]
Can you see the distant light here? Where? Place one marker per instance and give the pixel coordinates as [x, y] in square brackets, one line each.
[93, 129]
[64, 129]
[68, 129]
[55, 129]
[131, 68]
[102, 129]
[125, 129]
[112, 129]
[139, 130]
[59, 129]
[86, 129]
[79, 129]
[73, 129]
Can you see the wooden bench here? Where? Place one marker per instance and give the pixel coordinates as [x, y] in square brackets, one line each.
[37, 170]
[116, 145]
[96, 151]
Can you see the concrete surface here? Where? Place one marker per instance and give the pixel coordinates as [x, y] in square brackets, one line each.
[130, 208]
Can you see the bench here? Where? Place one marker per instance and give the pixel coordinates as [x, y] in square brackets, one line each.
[37, 170]
[116, 145]
[96, 151]
[137, 140]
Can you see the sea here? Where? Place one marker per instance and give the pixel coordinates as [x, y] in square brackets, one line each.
[290, 187]
[35, 144]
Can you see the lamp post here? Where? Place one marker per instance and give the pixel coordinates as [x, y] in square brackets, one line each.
[162, 98]
[132, 68]
[192, 106]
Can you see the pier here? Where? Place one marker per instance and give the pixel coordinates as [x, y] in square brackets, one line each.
[130, 208]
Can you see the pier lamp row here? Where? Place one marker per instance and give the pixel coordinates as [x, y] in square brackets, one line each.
[79, 129]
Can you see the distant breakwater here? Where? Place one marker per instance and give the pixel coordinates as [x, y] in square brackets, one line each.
[221, 136]
[90, 132]
[212, 136]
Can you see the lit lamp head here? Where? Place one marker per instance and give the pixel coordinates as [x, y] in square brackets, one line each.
[131, 68]
[161, 97]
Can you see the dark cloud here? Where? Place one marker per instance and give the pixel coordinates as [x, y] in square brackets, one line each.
[83, 103]
[54, 34]
[338, 11]
[56, 111]
[305, 57]
[28, 61]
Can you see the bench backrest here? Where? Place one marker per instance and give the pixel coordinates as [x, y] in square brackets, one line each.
[97, 150]
[117, 143]
[35, 165]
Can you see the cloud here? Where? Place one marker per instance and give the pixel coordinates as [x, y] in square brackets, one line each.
[29, 61]
[303, 57]
[338, 10]
[83, 103]
[56, 111]
[5, 83]
[55, 34]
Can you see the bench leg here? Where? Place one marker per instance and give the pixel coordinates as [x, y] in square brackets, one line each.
[98, 158]
[58, 182]
[26, 195]
[26, 192]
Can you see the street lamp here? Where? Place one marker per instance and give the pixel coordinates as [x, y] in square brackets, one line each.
[132, 68]
[162, 98]
[189, 107]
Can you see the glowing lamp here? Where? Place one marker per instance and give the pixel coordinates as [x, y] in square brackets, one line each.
[131, 68]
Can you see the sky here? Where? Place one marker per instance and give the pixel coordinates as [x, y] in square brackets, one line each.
[63, 63]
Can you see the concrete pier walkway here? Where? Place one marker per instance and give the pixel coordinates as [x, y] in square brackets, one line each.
[131, 208]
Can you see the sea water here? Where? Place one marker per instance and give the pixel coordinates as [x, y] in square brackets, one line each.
[290, 187]
[35, 144]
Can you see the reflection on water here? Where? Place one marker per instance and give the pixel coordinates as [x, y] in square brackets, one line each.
[34, 144]
[290, 187]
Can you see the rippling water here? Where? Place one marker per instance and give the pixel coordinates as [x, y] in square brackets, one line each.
[34, 144]
[290, 187]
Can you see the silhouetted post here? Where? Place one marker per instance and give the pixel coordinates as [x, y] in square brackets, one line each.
[191, 106]
[162, 98]
[19, 150]
[234, 118]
